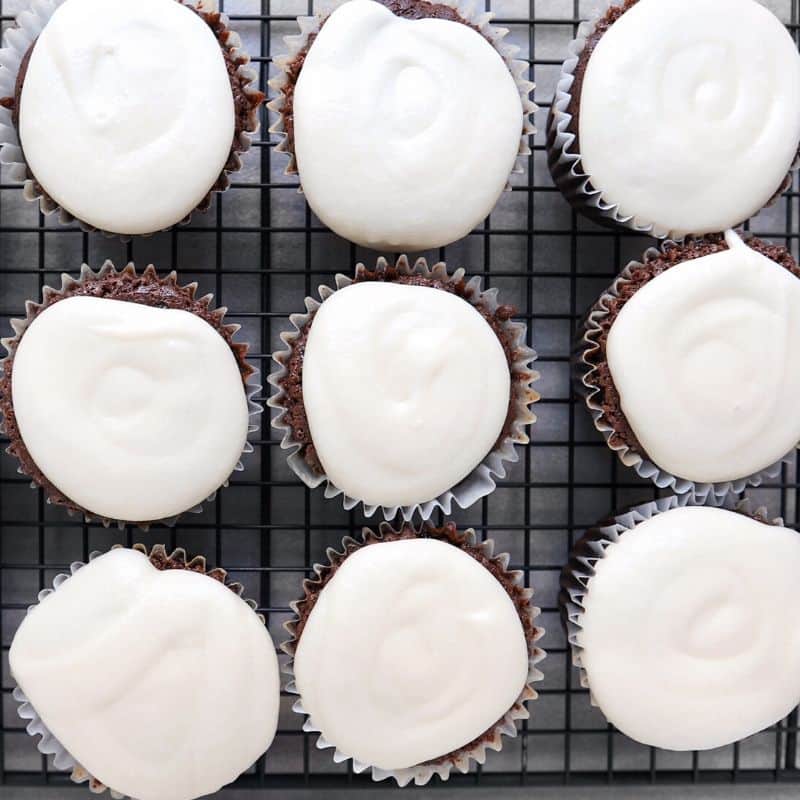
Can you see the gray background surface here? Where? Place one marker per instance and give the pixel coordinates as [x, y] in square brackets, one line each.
[261, 252]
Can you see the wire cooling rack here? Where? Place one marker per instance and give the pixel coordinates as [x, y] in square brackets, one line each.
[260, 251]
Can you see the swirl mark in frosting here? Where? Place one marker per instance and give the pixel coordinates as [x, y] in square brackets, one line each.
[691, 127]
[706, 360]
[142, 676]
[406, 131]
[144, 110]
[151, 399]
[689, 632]
[406, 390]
[399, 688]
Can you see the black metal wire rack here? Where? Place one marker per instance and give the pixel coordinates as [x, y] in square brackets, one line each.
[260, 251]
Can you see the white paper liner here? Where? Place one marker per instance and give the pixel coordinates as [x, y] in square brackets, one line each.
[48, 745]
[18, 39]
[591, 548]
[564, 160]
[482, 480]
[587, 345]
[422, 773]
[252, 388]
[471, 14]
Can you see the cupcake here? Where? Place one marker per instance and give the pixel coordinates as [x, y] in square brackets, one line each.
[413, 652]
[147, 674]
[406, 388]
[403, 118]
[682, 620]
[125, 162]
[677, 117]
[125, 397]
[690, 363]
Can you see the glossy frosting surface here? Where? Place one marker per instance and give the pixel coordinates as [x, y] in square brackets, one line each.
[706, 360]
[133, 412]
[163, 685]
[406, 131]
[412, 650]
[406, 389]
[689, 112]
[690, 637]
[127, 114]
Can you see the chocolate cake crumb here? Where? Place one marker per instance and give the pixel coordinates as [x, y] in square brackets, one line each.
[653, 266]
[292, 382]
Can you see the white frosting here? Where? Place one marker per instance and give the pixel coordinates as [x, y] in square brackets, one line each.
[406, 389]
[412, 650]
[163, 685]
[690, 630]
[406, 131]
[706, 360]
[127, 114]
[133, 412]
[689, 112]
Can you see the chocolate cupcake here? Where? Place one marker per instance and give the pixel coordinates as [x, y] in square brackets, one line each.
[682, 618]
[125, 396]
[414, 682]
[676, 117]
[191, 705]
[373, 103]
[132, 162]
[405, 388]
[690, 363]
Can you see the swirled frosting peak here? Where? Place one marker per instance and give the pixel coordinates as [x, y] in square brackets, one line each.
[126, 114]
[689, 635]
[406, 131]
[162, 685]
[438, 654]
[135, 413]
[690, 112]
[706, 360]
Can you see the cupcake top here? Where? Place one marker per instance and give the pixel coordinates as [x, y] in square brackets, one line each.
[705, 358]
[688, 112]
[688, 635]
[405, 130]
[161, 684]
[412, 650]
[132, 412]
[406, 389]
[144, 112]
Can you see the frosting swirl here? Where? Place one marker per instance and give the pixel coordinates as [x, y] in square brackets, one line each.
[126, 112]
[142, 676]
[406, 131]
[689, 112]
[135, 413]
[688, 634]
[399, 688]
[706, 360]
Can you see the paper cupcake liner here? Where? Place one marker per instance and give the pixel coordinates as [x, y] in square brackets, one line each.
[462, 759]
[48, 745]
[564, 159]
[591, 548]
[310, 26]
[19, 38]
[482, 480]
[32, 309]
[587, 344]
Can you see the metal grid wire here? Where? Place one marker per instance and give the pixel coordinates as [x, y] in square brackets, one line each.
[260, 251]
